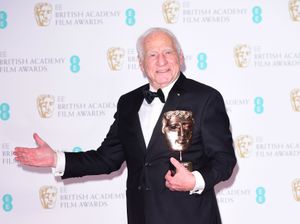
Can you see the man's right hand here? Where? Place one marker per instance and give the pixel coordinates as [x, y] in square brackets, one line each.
[41, 156]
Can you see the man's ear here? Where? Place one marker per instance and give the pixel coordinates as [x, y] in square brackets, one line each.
[141, 64]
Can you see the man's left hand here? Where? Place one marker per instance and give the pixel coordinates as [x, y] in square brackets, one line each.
[182, 180]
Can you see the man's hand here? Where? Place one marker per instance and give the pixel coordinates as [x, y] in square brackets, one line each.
[42, 156]
[183, 180]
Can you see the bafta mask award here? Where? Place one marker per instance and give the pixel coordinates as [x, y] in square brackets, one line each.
[177, 127]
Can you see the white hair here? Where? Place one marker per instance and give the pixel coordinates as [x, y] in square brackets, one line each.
[140, 41]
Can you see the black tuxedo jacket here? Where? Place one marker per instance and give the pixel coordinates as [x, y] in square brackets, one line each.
[148, 200]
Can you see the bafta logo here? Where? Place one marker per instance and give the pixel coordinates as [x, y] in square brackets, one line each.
[170, 10]
[115, 57]
[48, 196]
[43, 13]
[295, 99]
[243, 145]
[242, 54]
[296, 189]
[177, 127]
[45, 105]
[294, 10]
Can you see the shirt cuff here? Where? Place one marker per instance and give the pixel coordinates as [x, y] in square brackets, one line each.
[59, 170]
[200, 184]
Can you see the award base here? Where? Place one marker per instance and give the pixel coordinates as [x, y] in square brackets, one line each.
[188, 165]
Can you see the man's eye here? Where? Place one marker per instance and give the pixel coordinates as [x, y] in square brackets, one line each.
[152, 55]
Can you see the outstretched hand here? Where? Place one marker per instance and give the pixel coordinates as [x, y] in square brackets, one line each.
[42, 156]
[183, 180]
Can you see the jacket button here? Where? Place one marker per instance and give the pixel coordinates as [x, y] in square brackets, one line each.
[148, 189]
[147, 164]
[139, 188]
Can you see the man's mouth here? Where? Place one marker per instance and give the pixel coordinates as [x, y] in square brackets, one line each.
[163, 71]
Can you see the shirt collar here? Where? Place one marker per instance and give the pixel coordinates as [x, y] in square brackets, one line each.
[166, 89]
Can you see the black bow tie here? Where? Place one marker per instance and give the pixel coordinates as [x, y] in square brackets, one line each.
[149, 95]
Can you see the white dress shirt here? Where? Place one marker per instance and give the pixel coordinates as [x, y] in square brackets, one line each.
[148, 114]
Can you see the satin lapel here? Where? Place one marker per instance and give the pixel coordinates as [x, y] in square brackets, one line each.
[172, 102]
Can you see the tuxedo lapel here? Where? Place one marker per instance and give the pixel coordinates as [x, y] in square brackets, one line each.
[172, 102]
[175, 94]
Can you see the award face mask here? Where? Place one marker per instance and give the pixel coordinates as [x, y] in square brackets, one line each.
[178, 129]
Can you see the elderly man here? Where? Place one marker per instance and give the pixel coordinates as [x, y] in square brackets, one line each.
[155, 195]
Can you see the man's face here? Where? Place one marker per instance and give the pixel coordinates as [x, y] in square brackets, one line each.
[161, 62]
[178, 132]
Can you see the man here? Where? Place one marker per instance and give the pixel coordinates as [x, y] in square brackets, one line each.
[154, 194]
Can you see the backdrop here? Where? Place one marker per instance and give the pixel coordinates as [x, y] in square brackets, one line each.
[64, 64]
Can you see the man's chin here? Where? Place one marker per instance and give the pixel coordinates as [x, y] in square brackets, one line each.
[164, 82]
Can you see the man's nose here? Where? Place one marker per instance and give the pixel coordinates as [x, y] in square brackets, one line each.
[161, 59]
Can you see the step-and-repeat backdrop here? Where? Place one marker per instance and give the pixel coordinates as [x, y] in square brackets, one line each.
[64, 64]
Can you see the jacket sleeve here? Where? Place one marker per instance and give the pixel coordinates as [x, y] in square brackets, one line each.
[218, 144]
[106, 159]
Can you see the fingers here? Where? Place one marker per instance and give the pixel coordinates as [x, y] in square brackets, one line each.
[22, 155]
[168, 175]
[42, 156]
[38, 140]
[27, 156]
[21, 151]
[170, 181]
[168, 178]
[176, 163]
[169, 186]
[182, 180]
